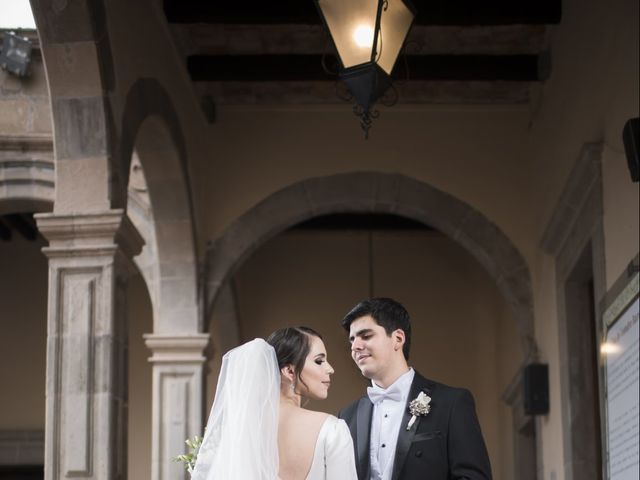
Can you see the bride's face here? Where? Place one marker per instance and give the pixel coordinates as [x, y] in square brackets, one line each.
[316, 373]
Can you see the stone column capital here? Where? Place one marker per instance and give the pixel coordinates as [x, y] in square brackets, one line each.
[177, 349]
[177, 406]
[89, 234]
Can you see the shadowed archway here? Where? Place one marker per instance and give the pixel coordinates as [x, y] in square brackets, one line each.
[369, 192]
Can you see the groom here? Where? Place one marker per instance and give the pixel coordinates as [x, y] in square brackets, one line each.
[445, 443]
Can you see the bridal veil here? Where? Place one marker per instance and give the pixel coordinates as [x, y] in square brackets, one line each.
[241, 438]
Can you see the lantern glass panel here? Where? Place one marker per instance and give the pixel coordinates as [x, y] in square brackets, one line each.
[394, 27]
[351, 24]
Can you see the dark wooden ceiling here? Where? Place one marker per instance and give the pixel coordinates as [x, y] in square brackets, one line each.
[21, 224]
[429, 12]
[298, 67]
[252, 51]
[361, 222]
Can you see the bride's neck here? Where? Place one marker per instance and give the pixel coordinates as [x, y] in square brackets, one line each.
[288, 398]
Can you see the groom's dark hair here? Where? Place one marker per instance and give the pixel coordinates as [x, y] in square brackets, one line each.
[387, 313]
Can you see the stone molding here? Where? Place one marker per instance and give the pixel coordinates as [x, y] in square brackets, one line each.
[26, 143]
[89, 234]
[21, 447]
[575, 238]
[172, 349]
[27, 172]
[583, 178]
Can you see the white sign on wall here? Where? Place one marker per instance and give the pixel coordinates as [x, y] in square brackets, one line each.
[622, 370]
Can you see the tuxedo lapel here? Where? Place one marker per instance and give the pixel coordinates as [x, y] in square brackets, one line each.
[363, 423]
[405, 437]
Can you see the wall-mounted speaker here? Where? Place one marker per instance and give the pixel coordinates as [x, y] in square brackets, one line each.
[536, 389]
[631, 140]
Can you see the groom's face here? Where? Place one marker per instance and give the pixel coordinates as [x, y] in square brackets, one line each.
[372, 349]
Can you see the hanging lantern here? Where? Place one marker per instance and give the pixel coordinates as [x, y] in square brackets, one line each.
[368, 36]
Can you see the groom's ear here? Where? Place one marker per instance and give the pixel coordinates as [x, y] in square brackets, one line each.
[399, 338]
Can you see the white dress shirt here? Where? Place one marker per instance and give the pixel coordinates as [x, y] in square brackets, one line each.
[388, 410]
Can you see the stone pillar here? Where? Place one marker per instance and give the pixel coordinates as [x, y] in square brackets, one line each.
[178, 363]
[86, 406]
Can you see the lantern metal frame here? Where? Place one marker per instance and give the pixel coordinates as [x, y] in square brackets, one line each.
[367, 82]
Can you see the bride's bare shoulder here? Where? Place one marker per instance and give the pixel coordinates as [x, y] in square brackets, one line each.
[312, 414]
[309, 417]
[317, 415]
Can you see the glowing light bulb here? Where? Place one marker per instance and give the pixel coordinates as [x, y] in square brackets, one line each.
[609, 348]
[363, 36]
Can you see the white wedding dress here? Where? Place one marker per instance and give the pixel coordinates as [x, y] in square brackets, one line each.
[241, 438]
[333, 456]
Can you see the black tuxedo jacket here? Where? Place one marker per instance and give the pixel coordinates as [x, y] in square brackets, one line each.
[445, 444]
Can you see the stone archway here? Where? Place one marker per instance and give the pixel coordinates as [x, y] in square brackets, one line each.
[151, 130]
[378, 193]
[76, 48]
[151, 126]
[91, 245]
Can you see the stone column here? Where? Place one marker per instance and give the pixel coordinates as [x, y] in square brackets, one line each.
[86, 406]
[178, 363]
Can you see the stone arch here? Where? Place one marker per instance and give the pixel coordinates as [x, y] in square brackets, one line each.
[77, 52]
[150, 126]
[369, 192]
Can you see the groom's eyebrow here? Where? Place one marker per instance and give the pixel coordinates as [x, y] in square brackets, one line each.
[360, 333]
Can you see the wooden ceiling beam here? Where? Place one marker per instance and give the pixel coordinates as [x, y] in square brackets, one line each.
[5, 232]
[273, 68]
[23, 224]
[430, 12]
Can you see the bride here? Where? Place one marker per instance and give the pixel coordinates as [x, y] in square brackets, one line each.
[258, 430]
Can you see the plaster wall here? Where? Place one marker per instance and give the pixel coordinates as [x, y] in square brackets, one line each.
[470, 152]
[592, 92]
[23, 334]
[24, 102]
[508, 353]
[462, 335]
[140, 322]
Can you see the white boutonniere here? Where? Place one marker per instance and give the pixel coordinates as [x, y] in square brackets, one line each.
[419, 407]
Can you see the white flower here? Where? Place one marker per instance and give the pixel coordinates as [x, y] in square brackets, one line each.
[419, 407]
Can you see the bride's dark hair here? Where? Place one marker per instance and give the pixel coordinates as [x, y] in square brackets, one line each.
[292, 346]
